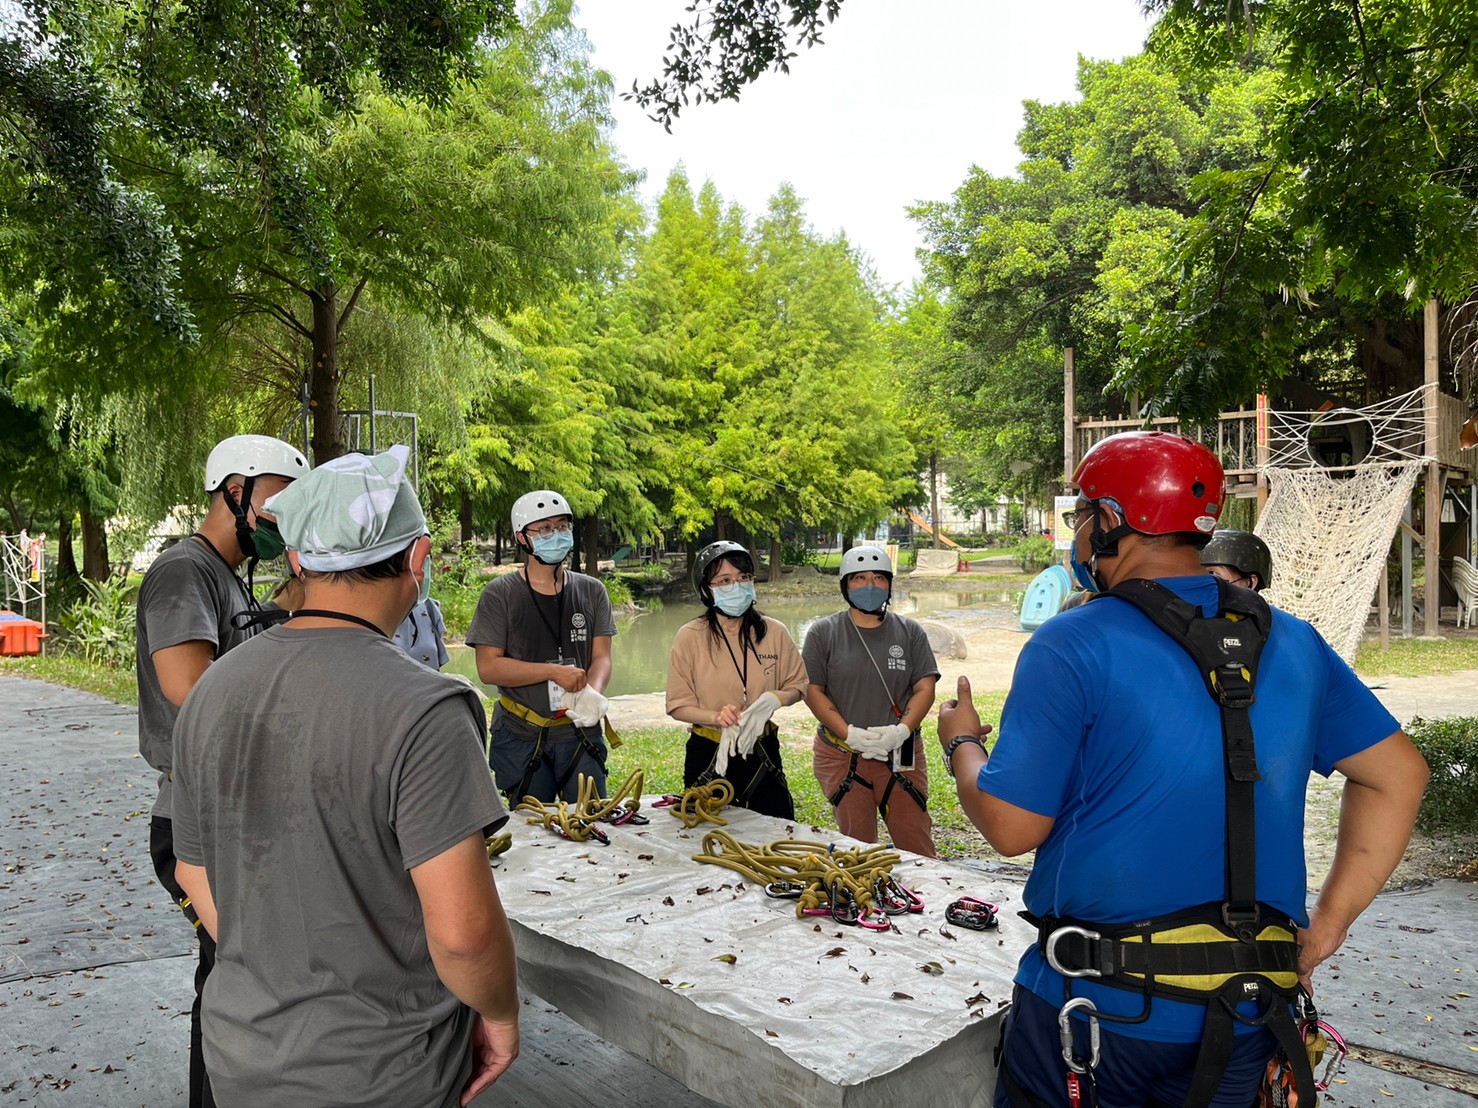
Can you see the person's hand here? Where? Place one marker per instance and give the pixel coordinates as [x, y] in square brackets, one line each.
[752, 721]
[893, 736]
[728, 716]
[494, 1047]
[569, 678]
[958, 716]
[586, 707]
[868, 742]
[1316, 942]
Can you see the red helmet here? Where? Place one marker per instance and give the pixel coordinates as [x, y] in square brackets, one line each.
[1164, 483]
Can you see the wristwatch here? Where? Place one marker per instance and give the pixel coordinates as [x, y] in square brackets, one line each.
[955, 744]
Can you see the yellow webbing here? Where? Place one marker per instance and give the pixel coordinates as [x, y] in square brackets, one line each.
[703, 802]
[1206, 933]
[530, 716]
[814, 866]
[832, 740]
[712, 734]
[574, 821]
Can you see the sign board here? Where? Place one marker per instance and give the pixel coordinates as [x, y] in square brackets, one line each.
[1062, 534]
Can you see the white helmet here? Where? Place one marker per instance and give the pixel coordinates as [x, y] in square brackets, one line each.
[252, 456]
[862, 558]
[531, 507]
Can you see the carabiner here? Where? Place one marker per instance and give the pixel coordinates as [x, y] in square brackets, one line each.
[978, 915]
[1065, 1032]
[1336, 1055]
[874, 920]
[848, 914]
[894, 898]
[786, 890]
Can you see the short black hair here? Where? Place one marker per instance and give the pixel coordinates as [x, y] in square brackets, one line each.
[386, 570]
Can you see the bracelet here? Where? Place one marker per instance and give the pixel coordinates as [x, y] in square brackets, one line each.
[955, 744]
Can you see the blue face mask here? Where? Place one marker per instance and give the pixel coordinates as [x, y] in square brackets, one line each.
[554, 548]
[868, 598]
[1083, 575]
[734, 600]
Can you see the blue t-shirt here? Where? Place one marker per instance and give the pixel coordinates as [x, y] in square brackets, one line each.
[1110, 731]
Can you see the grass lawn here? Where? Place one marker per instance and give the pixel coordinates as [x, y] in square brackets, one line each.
[1417, 657]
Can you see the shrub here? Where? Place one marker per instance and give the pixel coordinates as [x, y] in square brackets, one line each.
[796, 554]
[1450, 747]
[1035, 554]
[618, 590]
[101, 626]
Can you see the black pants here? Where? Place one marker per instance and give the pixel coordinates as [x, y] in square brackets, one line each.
[758, 780]
[161, 849]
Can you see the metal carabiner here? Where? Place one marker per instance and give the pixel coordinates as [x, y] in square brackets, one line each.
[785, 890]
[852, 912]
[1335, 1054]
[1065, 1032]
[1049, 948]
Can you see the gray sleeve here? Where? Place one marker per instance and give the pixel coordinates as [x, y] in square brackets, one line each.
[443, 790]
[817, 651]
[489, 625]
[603, 618]
[186, 827]
[178, 606]
[925, 664]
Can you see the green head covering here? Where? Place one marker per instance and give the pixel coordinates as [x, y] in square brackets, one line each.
[353, 511]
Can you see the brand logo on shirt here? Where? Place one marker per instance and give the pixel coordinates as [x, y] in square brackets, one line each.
[896, 660]
[895, 651]
[577, 620]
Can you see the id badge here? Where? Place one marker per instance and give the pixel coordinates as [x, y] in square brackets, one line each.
[903, 757]
[557, 694]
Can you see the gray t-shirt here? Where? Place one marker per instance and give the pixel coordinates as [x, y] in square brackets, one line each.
[313, 770]
[189, 594]
[531, 627]
[837, 660]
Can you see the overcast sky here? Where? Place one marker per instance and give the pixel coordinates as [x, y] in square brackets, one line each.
[894, 107]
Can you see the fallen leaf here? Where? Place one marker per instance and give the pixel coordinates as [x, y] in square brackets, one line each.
[787, 1000]
[901, 996]
[933, 969]
[836, 952]
[730, 959]
[667, 900]
[978, 998]
[772, 1034]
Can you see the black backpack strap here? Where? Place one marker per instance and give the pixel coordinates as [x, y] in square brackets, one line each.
[1226, 650]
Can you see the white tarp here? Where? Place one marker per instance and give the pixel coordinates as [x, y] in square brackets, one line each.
[628, 940]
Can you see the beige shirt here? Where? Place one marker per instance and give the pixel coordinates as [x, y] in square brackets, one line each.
[701, 673]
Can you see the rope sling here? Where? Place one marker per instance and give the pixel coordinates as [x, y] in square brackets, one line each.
[578, 821]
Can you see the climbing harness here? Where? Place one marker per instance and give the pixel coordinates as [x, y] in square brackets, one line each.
[541, 752]
[763, 765]
[699, 803]
[577, 822]
[1218, 955]
[851, 885]
[896, 777]
[976, 914]
[1322, 1043]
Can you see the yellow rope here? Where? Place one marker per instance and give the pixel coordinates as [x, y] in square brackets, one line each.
[703, 802]
[498, 844]
[816, 867]
[575, 821]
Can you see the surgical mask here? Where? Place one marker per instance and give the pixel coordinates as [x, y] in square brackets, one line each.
[734, 600]
[553, 548]
[267, 539]
[868, 598]
[1084, 575]
[423, 591]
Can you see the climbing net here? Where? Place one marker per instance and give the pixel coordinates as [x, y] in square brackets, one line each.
[1389, 433]
[1329, 536]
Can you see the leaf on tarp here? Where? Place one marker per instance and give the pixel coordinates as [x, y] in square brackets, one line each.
[836, 952]
[684, 984]
[978, 998]
[901, 996]
[704, 890]
[866, 977]
[636, 919]
[644, 857]
[1415, 930]
[541, 892]
[933, 969]
[950, 935]
[772, 1034]
[667, 900]
[727, 959]
[787, 1000]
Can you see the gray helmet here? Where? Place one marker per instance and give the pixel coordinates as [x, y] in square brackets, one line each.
[862, 558]
[710, 554]
[1243, 551]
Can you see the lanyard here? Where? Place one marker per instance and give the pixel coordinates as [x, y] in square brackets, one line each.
[325, 613]
[559, 609]
[886, 690]
[251, 601]
[742, 672]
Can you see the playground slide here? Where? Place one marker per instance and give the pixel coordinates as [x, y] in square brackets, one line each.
[942, 538]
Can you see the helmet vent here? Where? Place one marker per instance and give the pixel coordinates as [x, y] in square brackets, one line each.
[1198, 490]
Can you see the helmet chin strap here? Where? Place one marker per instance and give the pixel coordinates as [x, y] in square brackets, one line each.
[244, 539]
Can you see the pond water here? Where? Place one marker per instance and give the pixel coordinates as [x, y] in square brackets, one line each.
[642, 642]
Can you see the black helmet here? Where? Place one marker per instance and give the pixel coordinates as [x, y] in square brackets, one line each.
[712, 553]
[1243, 551]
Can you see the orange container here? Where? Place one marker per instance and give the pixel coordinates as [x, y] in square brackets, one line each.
[19, 636]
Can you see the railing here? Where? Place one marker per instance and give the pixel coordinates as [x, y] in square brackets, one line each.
[1233, 438]
[1452, 413]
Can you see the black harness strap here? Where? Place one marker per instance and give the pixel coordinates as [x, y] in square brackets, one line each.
[897, 778]
[542, 754]
[852, 778]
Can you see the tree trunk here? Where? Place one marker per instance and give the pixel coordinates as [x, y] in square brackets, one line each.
[464, 517]
[498, 543]
[592, 544]
[776, 557]
[690, 547]
[934, 497]
[94, 548]
[323, 375]
[66, 558]
[719, 529]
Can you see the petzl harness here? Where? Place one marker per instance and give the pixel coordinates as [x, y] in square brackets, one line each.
[763, 766]
[541, 753]
[896, 778]
[1219, 955]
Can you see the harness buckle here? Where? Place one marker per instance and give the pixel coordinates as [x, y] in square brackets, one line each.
[1049, 948]
[1241, 922]
[1065, 1032]
[1233, 689]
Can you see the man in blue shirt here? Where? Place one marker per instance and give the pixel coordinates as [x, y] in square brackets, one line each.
[1111, 766]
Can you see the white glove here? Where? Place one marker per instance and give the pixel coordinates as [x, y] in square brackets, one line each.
[893, 736]
[869, 742]
[728, 741]
[585, 708]
[753, 719]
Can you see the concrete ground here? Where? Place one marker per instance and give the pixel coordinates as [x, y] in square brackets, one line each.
[96, 963]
